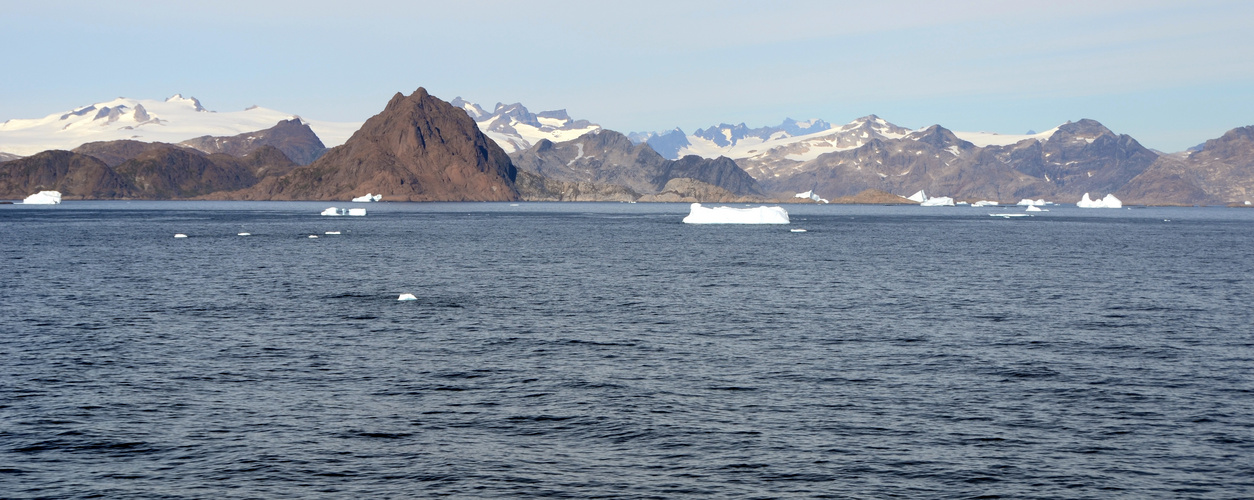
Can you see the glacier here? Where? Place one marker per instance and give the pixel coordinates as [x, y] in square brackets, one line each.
[43, 198]
[728, 215]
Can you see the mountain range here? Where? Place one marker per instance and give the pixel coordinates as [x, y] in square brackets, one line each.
[421, 148]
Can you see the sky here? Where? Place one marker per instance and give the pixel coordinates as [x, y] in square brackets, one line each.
[1171, 74]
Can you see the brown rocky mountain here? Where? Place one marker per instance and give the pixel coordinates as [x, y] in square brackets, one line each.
[140, 170]
[293, 137]
[7, 156]
[606, 157]
[1080, 157]
[1221, 172]
[534, 187]
[76, 176]
[419, 148]
[115, 153]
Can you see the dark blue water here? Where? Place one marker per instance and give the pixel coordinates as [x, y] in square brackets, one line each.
[607, 350]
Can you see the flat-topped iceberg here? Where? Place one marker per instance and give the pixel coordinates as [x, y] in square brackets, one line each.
[333, 212]
[368, 198]
[729, 215]
[43, 198]
[1030, 202]
[1108, 202]
[984, 203]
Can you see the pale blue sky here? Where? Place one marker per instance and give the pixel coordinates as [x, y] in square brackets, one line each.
[1170, 73]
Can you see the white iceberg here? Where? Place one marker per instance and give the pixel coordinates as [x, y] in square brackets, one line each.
[1108, 202]
[810, 195]
[368, 198]
[918, 197]
[357, 212]
[939, 201]
[244, 234]
[1030, 202]
[984, 203]
[43, 198]
[729, 215]
[1034, 208]
[180, 235]
[407, 296]
[333, 211]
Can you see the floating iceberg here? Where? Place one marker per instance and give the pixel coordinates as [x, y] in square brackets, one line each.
[244, 234]
[407, 296]
[312, 236]
[333, 211]
[357, 212]
[729, 215]
[180, 235]
[332, 232]
[368, 198]
[1108, 202]
[1034, 208]
[984, 203]
[939, 201]
[1030, 202]
[1009, 215]
[810, 195]
[43, 198]
[918, 197]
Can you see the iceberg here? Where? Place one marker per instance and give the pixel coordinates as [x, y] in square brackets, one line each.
[368, 198]
[918, 197]
[810, 195]
[407, 296]
[357, 212]
[1030, 202]
[180, 235]
[939, 201]
[1108, 202]
[244, 234]
[1034, 208]
[332, 211]
[984, 203]
[729, 215]
[43, 198]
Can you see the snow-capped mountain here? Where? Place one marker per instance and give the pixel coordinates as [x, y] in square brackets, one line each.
[515, 128]
[171, 120]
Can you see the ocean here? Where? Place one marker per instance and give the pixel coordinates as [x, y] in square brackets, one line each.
[606, 350]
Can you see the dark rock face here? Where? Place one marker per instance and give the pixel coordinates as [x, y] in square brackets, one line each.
[294, 138]
[534, 187]
[7, 157]
[609, 158]
[419, 148]
[172, 173]
[76, 176]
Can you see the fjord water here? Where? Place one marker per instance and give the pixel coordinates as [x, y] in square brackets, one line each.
[606, 350]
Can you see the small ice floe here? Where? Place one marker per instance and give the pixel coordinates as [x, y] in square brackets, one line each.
[357, 212]
[984, 203]
[368, 198]
[180, 235]
[333, 211]
[728, 215]
[407, 296]
[244, 234]
[798, 230]
[332, 232]
[961, 203]
[43, 198]
[313, 236]
[513, 204]
[1108, 202]
[1009, 215]
[1034, 208]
